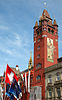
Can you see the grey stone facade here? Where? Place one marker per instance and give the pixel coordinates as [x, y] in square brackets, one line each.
[53, 82]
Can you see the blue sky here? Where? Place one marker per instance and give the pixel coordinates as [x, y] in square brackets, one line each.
[17, 19]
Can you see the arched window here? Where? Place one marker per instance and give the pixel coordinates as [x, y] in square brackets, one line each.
[38, 77]
[40, 31]
[38, 40]
[58, 76]
[37, 32]
[38, 65]
[38, 47]
[38, 56]
[44, 29]
[49, 30]
[52, 31]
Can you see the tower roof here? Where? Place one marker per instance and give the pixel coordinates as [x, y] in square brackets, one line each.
[45, 13]
[54, 23]
[36, 24]
[46, 16]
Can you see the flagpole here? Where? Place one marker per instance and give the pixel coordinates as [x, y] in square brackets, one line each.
[26, 81]
[29, 80]
[5, 86]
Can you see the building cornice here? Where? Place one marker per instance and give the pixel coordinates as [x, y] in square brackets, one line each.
[53, 67]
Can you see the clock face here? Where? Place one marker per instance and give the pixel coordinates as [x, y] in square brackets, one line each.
[50, 50]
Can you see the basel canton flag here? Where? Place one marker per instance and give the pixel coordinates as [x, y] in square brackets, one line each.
[12, 87]
[15, 89]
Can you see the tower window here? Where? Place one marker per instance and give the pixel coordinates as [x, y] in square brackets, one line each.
[38, 47]
[39, 65]
[38, 40]
[44, 29]
[49, 30]
[40, 31]
[31, 79]
[52, 31]
[38, 77]
[37, 32]
[38, 56]
[56, 32]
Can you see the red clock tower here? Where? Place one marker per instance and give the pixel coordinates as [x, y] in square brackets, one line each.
[45, 48]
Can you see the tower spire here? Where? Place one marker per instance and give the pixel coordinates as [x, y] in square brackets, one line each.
[54, 21]
[30, 61]
[36, 24]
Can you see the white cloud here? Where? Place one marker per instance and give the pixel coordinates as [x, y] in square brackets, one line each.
[18, 39]
[5, 50]
[17, 36]
[14, 44]
[9, 51]
[3, 27]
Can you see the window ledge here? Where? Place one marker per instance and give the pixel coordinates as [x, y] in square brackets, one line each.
[37, 69]
[38, 81]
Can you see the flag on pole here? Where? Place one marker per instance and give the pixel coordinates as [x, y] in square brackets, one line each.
[12, 87]
[8, 79]
[9, 75]
[15, 89]
[7, 90]
[29, 81]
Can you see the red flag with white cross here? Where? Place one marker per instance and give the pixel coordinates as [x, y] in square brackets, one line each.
[10, 74]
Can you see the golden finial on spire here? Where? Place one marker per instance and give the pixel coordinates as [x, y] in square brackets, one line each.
[31, 54]
[30, 61]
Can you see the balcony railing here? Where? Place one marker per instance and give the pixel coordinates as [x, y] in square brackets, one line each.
[58, 82]
[49, 84]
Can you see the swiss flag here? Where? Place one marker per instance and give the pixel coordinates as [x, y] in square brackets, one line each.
[10, 74]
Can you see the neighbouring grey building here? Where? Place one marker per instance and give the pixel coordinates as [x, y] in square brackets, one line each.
[53, 81]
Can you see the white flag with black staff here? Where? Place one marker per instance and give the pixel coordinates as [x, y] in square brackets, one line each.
[26, 80]
[29, 81]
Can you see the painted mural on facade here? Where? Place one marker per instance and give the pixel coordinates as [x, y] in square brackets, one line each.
[50, 52]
